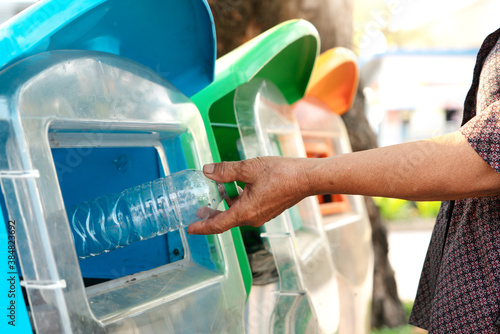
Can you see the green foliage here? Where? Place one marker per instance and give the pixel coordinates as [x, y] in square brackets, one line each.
[407, 329]
[407, 306]
[428, 209]
[398, 209]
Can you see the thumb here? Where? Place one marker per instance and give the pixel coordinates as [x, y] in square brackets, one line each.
[226, 171]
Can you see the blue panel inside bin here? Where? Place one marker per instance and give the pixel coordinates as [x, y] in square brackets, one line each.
[174, 38]
[87, 173]
[176, 162]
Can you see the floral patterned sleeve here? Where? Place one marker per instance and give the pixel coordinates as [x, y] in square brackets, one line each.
[483, 130]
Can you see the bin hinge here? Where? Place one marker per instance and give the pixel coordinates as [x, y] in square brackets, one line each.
[43, 285]
[20, 174]
[277, 235]
[290, 292]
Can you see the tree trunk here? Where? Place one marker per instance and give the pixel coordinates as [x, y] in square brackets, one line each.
[238, 21]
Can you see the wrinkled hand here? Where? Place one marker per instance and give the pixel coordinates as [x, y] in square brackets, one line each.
[273, 184]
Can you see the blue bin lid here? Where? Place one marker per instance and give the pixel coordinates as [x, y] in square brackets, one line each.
[176, 39]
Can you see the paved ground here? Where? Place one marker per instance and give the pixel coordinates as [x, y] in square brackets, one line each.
[407, 248]
[408, 244]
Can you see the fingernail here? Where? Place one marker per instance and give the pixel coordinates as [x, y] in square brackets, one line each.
[209, 169]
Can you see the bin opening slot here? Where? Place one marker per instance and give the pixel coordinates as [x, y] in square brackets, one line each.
[95, 164]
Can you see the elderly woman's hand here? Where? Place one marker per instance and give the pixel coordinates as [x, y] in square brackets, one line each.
[273, 184]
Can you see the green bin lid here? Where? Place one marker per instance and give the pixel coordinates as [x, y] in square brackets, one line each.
[231, 189]
[284, 55]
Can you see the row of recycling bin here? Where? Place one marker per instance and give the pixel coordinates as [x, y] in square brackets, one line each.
[97, 96]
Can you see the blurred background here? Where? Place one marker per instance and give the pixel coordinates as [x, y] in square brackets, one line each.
[416, 60]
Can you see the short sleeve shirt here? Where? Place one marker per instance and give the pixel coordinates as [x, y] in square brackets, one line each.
[459, 289]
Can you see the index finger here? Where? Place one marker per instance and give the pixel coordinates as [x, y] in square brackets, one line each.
[219, 223]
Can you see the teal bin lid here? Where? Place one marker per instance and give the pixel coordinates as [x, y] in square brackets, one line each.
[176, 39]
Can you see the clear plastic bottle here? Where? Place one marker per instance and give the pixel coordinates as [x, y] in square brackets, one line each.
[145, 211]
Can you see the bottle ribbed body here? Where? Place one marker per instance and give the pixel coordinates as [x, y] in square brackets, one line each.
[143, 212]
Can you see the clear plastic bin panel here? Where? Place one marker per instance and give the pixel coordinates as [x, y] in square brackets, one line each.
[349, 230]
[60, 98]
[346, 220]
[307, 296]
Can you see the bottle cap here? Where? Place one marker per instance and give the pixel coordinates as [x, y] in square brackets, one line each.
[231, 189]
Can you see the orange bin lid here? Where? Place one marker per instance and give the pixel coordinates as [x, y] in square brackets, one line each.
[334, 79]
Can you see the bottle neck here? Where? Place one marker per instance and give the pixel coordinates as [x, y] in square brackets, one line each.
[222, 190]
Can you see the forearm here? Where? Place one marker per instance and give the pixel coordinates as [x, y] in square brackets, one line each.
[441, 168]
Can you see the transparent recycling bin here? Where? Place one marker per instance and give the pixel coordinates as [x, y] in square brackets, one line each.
[119, 104]
[247, 109]
[109, 113]
[330, 93]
